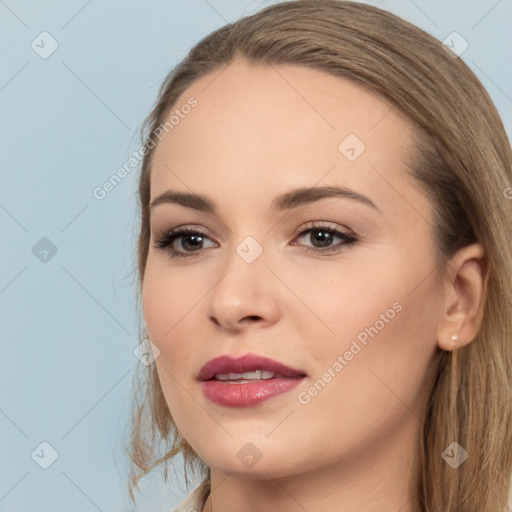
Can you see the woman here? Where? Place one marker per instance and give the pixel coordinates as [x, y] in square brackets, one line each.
[325, 270]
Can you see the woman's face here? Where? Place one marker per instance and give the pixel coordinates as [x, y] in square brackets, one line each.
[355, 317]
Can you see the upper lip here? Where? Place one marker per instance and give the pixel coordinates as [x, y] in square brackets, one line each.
[243, 364]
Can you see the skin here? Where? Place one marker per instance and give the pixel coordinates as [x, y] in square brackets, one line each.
[258, 132]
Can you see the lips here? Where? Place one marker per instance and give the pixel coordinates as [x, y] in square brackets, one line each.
[247, 363]
[247, 381]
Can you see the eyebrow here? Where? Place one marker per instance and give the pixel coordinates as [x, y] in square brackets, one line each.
[287, 201]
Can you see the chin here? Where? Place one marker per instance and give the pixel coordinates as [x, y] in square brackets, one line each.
[241, 457]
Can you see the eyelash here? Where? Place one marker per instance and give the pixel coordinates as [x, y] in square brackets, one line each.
[168, 238]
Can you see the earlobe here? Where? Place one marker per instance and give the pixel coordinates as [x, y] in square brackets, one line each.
[454, 338]
[465, 295]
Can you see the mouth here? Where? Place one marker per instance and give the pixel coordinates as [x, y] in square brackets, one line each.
[246, 381]
[242, 378]
[246, 368]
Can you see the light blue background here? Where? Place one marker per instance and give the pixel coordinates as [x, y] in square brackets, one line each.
[69, 326]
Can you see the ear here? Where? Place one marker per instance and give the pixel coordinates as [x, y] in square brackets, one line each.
[465, 295]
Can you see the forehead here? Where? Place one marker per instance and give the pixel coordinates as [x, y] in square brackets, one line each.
[272, 128]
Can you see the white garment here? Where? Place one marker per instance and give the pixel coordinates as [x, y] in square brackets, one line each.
[194, 502]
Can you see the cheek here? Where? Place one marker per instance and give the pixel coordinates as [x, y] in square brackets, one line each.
[342, 302]
[371, 298]
[383, 355]
[382, 324]
[167, 298]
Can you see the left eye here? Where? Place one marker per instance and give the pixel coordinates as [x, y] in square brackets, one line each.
[193, 239]
[324, 237]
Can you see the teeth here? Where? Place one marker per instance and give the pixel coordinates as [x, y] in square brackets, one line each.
[255, 375]
[251, 375]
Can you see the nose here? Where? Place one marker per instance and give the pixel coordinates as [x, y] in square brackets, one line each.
[246, 294]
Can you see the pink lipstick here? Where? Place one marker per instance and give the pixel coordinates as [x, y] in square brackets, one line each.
[247, 380]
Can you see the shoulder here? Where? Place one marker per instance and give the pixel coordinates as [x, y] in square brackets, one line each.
[194, 502]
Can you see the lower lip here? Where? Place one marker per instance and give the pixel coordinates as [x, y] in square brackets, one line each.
[247, 394]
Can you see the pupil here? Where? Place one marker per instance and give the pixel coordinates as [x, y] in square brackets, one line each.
[324, 237]
[195, 245]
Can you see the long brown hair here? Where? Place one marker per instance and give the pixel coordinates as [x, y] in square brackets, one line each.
[463, 162]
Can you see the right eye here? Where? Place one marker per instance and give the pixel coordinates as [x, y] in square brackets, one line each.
[191, 237]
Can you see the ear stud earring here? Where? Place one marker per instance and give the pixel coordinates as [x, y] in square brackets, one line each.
[454, 339]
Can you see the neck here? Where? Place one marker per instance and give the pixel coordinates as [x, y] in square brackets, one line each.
[381, 476]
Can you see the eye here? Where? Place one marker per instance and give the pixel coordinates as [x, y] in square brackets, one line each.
[323, 236]
[190, 237]
[192, 240]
